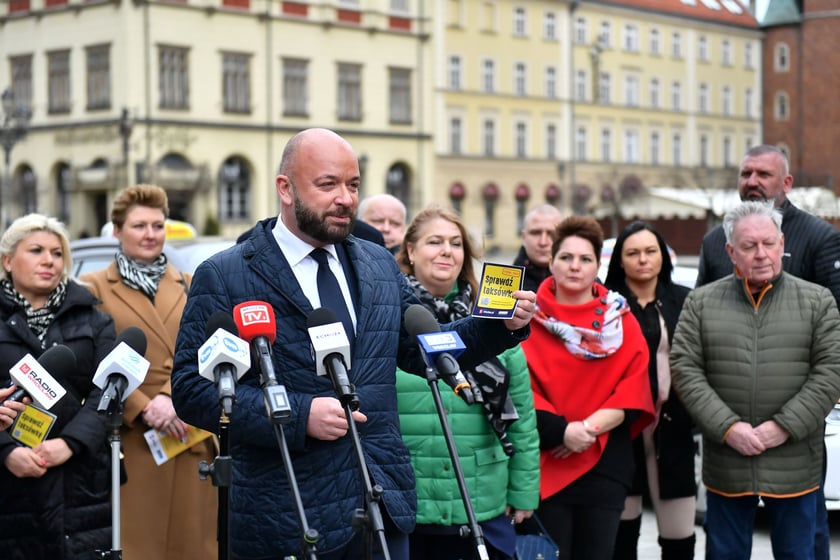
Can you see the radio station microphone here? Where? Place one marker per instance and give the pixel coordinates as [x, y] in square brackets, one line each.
[331, 351]
[256, 324]
[439, 349]
[122, 370]
[33, 379]
[223, 358]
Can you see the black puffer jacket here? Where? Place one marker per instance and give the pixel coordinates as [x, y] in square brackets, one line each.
[65, 514]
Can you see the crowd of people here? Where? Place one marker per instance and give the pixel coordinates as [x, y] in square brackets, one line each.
[581, 403]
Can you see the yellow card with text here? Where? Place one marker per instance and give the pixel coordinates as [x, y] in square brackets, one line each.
[32, 426]
[495, 293]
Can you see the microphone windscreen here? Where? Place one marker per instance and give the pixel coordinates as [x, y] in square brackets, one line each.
[134, 337]
[255, 319]
[419, 320]
[220, 320]
[59, 361]
[321, 316]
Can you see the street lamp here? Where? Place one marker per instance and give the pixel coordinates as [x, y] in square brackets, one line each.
[15, 122]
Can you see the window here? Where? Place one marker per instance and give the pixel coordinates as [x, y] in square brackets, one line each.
[489, 137]
[488, 76]
[748, 55]
[349, 91]
[580, 85]
[702, 49]
[604, 38]
[550, 26]
[295, 87]
[781, 57]
[631, 38]
[654, 42]
[631, 90]
[580, 143]
[726, 53]
[519, 22]
[703, 98]
[399, 5]
[236, 80]
[519, 79]
[606, 140]
[781, 106]
[676, 45]
[22, 80]
[551, 141]
[726, 100]
[521, 140]
[98, 62]
[631, 146]
[727, 151]
[604, 87]
[455, 72]
[234, 190]
[550, 82]
[455, 135]
[173, 83]
[654, 148]
[654, 93]
[580, 31]
[676, 146]
[704, 150]
[399, 84]
[676, 94]
[58, 63]
[488, 16]
[748, 101]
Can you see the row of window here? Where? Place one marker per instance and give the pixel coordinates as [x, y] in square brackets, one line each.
[174, 80]
[631, 148]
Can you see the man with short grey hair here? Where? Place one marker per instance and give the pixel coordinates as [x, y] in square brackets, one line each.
[756, 361]
[537, 236]
[388, 214]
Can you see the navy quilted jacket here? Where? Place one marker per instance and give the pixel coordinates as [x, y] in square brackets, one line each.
[264, 521]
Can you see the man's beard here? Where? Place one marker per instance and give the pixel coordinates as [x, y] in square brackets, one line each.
[316, 226]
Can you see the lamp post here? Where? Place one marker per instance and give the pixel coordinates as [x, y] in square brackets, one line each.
[15, 123]
[126, 126]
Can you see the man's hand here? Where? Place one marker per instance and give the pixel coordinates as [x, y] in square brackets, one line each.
[327, 420]
[525, 307]
[771, 434]
[743, 439]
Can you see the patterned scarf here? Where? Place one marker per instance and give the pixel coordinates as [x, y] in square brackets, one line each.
[144, 277]
[590, 344]
[490, 380]
[39, 320]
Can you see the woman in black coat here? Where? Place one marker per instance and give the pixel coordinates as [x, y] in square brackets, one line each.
[54, 492]
[640, 269]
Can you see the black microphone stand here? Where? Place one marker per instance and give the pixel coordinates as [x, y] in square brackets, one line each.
[280, 413]
[370, 518]
[220, 472]
[473, 528]
[114, 414]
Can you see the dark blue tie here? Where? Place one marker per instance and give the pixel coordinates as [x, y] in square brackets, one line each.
[330, 292]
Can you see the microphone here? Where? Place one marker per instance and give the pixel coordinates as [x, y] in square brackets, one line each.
[331, 351]
[122, 370]
[34, 380]
[223, 358]
[439, 349]
[256, 324]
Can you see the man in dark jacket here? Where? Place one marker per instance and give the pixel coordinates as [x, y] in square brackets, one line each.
[318, 188]
[812, 251]
[537, 237]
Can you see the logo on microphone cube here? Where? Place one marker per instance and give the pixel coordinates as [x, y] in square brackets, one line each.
[223, 346]
[434, 344]
[254, 314]
[29, 375]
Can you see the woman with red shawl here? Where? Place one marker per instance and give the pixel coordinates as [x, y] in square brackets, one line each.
[589, 373]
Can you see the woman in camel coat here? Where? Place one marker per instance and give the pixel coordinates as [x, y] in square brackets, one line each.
[167, 511]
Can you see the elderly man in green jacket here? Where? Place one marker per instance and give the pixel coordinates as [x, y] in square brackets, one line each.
[756, 361]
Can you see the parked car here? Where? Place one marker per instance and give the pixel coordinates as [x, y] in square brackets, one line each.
[95, 253]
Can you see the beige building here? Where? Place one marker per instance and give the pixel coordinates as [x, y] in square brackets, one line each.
[200, 96]
[589, 104]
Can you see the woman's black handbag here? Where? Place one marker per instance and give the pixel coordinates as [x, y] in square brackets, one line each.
[536, 546]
